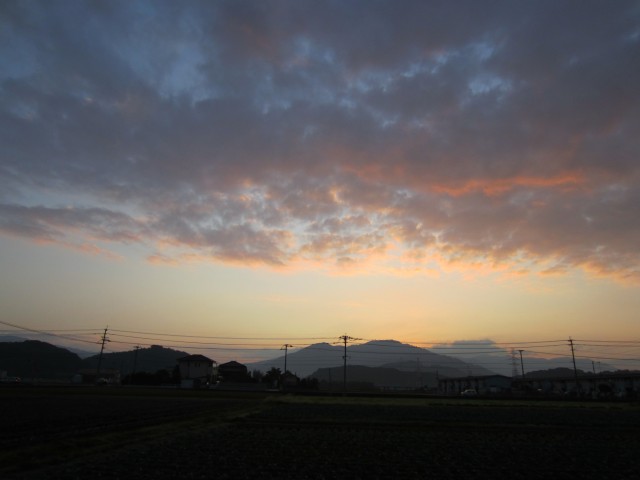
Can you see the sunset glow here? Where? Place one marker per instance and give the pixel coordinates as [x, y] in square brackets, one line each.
[427, 172]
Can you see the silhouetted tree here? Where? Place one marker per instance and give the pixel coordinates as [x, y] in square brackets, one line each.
[175, 375]
[272, 377]
[161, 377]
[309, 384]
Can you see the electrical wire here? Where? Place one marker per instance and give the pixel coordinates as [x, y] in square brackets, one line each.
[219, 338]
[482, 349]
[42, 332]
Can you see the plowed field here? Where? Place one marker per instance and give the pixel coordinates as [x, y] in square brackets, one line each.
[120, 433]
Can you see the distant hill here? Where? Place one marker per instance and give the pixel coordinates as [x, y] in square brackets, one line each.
[377, 353]
[45, 338]
[560, 372]
[11, 338]
[31, 359]
[80, 352]
[502, 363]
[149, 360]
[35, 359]
[381, 377]
[451, 368]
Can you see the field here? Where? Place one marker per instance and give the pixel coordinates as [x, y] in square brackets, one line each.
[88, 433]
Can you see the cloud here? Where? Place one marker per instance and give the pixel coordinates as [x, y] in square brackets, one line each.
[50, 224]
[333, 133]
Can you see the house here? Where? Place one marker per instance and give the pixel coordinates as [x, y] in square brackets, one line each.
[483, 385]
[233, 372]
[195, 370]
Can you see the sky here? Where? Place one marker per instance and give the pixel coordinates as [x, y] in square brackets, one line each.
[427, 171]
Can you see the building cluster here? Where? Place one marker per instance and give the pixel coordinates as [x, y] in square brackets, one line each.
[195, 371]
[198, 370]
[611, 385]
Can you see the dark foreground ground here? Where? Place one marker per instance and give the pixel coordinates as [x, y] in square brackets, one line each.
[111, 433]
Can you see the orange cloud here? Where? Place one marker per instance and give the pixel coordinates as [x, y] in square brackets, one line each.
[497, 186]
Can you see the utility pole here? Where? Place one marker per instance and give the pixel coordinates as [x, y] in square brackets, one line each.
[575, 369]
[345, 338]
[285, 347]
[135, 362]
[521, 363]
[103, 340]
[514, 367]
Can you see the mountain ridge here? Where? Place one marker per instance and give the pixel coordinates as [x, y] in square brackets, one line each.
[374, 353]
[32, 359]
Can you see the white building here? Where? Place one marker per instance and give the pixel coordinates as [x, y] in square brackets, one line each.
[195, 370]
[483, 385]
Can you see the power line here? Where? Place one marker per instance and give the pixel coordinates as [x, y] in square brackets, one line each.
[43, 332]
[177, 335]
[473, 344]
[610, 358]
[433, 344]
[198, 347]
[70, 330]
[637, 342]
[254, 345]
[196, 342]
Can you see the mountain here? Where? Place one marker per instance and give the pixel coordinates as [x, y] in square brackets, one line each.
[375, 353]
[35, 359]
[502, 364]
[59, 343]
[11, 339]
[560, 372]
[452, 368]
[80, 352]
[149, 360]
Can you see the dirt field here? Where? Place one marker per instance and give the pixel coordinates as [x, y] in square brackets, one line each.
[86, 433]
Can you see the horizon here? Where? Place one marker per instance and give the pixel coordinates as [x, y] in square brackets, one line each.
[432, 172]
[486, 353]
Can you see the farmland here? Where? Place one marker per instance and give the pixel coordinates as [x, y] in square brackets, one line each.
[134, 433]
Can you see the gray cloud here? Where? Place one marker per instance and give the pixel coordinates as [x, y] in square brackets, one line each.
[282, 131]
[56, 224]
